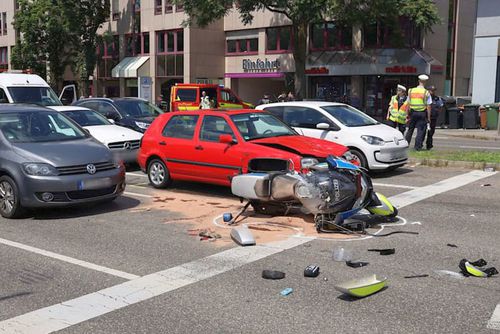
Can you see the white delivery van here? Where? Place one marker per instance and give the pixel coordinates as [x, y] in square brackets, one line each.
[30, 88]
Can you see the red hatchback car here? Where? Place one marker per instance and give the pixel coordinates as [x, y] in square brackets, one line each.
[212, 146]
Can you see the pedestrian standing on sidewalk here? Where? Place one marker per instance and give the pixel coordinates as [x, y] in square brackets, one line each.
[436, 108]
[397, 112]
[419, 103]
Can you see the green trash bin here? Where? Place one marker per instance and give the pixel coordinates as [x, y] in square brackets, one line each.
[492, 116]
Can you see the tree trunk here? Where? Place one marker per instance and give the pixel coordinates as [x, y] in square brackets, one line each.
[299, 55]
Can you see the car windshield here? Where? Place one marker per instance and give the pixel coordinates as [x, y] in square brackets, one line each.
[36, 126]
[87, 117]
[138, 108]
[349, 116]
[260, 125]
[43, 96]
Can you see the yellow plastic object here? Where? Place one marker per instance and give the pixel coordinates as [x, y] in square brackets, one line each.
[385, 209]
[362, 287]
[474, 271]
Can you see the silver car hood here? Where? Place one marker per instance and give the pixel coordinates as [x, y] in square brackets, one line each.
[64, 153]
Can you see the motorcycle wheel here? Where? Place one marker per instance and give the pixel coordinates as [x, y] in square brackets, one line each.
[268, 209]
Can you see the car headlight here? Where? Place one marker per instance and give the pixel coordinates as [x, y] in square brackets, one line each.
[306, 163]
[372, 140]
[142, 125]
[40, 169]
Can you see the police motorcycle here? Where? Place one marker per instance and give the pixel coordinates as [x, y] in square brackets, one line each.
[332, 191]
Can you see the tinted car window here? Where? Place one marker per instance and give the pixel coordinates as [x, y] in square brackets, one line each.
[349, 116]
[213, 127]
[180, 126]
[187, 95]
[3, 97]
[276, 111]
[87, 117]
[25, 127]
[138, 108]
[303, 117]
[90, 105]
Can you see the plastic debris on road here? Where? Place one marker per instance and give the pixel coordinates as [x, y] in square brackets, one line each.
[273, 274]
[286, 291]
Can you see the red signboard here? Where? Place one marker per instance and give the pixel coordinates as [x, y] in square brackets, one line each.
[317, 70]
[401, 69]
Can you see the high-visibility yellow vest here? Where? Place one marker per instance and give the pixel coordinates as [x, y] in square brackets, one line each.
[396, 113]
[417, 98]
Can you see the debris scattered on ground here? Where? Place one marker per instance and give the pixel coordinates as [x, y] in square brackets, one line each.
[325, 279]
[417, 276]
[286, 291]
[227, 217]
[489, 169]
[362, 287]
[342, 254]
[452, 245]
[449, 273]
[205, 234]
[385, 251]
[486, 185]
[356, 264]
[242, 236]
[473, 215]
[476, 268]
[311, 271]
[273, 274]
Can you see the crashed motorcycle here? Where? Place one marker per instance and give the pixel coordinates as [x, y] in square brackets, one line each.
[332, 191]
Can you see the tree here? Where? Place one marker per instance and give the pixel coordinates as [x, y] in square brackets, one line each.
[302, 13]
[45, 39]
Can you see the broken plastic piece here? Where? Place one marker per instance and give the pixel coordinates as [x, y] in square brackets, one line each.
[362, 287]
[311, 271]
[342, 254]
[486, 185]
[273, 274]
[474, 268]
[242, 236]
[356, 264]
[286, 291]
[386, 251]
[452, 245]
[449, 273]
[417, 276]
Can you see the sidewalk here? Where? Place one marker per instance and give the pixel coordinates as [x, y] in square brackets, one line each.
[469, 133]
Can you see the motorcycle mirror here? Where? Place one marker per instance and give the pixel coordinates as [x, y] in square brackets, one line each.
[323, 126]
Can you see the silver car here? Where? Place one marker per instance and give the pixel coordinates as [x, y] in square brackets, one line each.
[46, 160]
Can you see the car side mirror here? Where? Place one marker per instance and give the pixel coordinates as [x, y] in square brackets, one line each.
[226, 139]
[323, 126]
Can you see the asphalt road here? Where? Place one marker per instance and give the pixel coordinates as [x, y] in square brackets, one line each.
[122, 269]
[445, 142]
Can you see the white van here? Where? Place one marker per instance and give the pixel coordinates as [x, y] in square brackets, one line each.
[30, 88]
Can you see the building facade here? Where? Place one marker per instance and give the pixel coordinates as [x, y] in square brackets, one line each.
[486, 67]
[7, 33]
[146, 50]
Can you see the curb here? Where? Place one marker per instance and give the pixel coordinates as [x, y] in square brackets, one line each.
[473, 136]
[452, 163]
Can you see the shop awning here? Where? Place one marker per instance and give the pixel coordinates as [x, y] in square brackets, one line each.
[372, 62]
[129, 67]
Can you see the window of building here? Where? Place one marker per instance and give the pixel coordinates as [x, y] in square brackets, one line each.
[115, 10]
[169, 6]
[279, 39]
[4, 59]
[180, 126]
[136, 5]
[108, 54]
[141, 44]
[3, 23]
[329, 36]
[169, 50]
[179, 8]
[158, 7]
[401, 34]
[243, 46]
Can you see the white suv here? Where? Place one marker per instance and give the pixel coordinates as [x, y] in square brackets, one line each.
[376, 145]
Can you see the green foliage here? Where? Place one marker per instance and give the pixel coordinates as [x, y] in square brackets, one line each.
[304, 12]
[58, 33]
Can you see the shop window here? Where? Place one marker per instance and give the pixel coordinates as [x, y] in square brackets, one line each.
[330, 36]
[169, 7]
[158, 7]
[141, 46]
[242, 46]
[279, 39]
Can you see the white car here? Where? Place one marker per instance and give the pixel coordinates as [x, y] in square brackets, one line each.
[123, 142]
[376, 146]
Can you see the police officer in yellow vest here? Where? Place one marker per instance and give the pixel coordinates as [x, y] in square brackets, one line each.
[419, 103]
[398, 110]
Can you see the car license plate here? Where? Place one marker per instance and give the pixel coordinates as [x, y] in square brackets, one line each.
[94, 184]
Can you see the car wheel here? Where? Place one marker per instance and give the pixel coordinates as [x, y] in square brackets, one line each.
[359, 157]
[10, 206]
[158, 174]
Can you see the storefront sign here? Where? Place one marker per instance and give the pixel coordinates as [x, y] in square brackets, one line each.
[260, 65]
[317, 70]
[437, 69]
[145, 91]
[401, 69]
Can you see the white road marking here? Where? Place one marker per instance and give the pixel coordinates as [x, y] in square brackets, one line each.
[68, 259]
[139, 185]
[137, 195]
[134, 174]
[494, 322]
[389, 185]
[422, 193]
[75, 311]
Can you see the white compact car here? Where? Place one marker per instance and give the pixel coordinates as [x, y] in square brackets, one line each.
[123, 142]
[376, 145]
